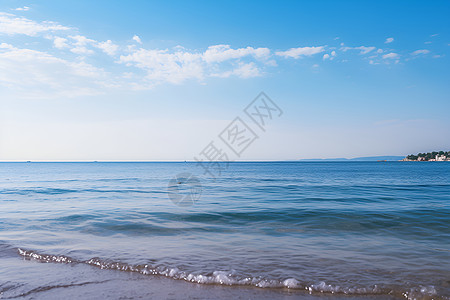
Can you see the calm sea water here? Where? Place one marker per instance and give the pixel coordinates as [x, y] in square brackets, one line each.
[366, 228]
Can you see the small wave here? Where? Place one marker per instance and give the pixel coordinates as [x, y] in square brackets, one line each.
[58, 191]
[232, 279]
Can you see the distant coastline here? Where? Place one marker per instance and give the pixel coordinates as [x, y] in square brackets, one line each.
[366, 158]
[430, 156]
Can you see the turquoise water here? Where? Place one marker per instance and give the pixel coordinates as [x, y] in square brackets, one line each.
[365, 228]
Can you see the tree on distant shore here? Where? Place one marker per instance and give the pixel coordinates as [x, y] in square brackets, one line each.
[412, 157]
[429, 155]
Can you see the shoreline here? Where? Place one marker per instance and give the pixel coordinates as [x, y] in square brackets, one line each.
[59, 281]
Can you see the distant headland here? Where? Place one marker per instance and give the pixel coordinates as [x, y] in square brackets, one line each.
[430, 156]
[365, 158]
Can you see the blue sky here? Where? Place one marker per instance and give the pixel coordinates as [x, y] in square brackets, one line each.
[159, 80]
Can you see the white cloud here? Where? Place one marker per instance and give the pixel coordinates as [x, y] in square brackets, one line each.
[80, 45]
[389, 40]
[60, 42]
[29, 70]
[244, 70]
[179, 64]
[25, 8]
[271, 62]
[300, 52]
[81, 40]
[161, 65]
[423, 51]
[108, 47]
[220, 53]
[363, 49]
[391, 55]
[11, 24]
[38, 74]
[82, 51]
[6, 46]
[247, 70]
[330, 56]
[137, 39]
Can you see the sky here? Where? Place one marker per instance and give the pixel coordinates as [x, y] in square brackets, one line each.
[162, 80]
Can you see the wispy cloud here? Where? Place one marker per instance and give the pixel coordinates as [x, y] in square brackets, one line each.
[82, 45]
[300, 52]
[11, 24]
[39, 74]
[64, 70]
[423, 51]
[178, 64]
[60, 42]
[391, 55]
[220, 53]
[108, 47]
[163, 65]
[362, 49]
[243, 70]
[329, 56]
[389, 40]
[24, 8]
[137, 39]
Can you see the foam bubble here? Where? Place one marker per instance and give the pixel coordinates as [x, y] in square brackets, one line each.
[291, 283]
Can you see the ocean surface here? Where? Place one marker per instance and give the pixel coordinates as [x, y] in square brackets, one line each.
[327, 228]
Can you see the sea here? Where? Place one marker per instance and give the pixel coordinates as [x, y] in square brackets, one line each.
[330, 229]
